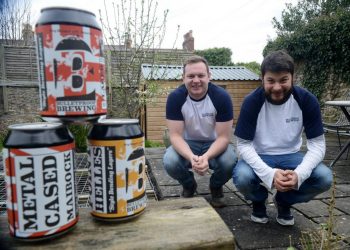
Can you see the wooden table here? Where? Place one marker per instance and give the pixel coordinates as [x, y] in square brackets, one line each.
[169, 224]
[343, 105]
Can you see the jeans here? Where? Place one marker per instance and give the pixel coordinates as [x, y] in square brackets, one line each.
[249, 184]
[178, 167]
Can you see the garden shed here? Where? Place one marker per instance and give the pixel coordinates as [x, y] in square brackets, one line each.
[237, 80]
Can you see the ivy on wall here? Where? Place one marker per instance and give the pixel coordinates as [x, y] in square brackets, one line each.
[319, 43]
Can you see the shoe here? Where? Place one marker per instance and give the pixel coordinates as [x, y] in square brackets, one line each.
[259, 213]
[284, 215]
[217, 197]
[189, 192]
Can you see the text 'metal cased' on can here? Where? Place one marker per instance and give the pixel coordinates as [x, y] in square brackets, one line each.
[39, 174]
[71, 65]
[117, 169]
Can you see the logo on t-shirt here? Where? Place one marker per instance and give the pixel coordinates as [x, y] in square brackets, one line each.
[292, 119]
[208, 115]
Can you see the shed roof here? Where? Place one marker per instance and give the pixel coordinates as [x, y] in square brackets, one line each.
[174, 72]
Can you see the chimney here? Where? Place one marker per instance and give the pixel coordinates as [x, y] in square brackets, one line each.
[28, 34]
[188, 43]
[127, 41]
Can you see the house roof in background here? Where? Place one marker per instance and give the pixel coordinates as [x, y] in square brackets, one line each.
[174, 72]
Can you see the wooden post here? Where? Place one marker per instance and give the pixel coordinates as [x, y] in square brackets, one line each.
[3, 78]
[108, 69]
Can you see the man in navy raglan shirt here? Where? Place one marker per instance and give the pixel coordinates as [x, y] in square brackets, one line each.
[269, 137]
[199, 118]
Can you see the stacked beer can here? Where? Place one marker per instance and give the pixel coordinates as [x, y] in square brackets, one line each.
[42, 197]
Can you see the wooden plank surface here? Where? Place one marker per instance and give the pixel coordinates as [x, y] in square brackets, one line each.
[169, 224]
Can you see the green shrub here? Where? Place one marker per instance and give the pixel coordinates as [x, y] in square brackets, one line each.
[80, 132]
[153, 144]
[2, 139]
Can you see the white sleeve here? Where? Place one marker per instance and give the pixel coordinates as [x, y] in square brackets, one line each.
[247, 152]
[316, 149]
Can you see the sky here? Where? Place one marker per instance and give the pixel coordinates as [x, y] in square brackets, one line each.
[244, 26]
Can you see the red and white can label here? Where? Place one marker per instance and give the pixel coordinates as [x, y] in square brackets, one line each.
[71, 70]
[41, 193]
[117, 177]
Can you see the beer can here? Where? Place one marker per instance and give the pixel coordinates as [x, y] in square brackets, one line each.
[71, 65]
[39, 175]
[117, 169]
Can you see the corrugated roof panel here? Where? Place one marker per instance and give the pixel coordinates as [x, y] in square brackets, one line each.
[174, 72]
[161, 72]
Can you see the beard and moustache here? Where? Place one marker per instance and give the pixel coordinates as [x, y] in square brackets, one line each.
[286, 95]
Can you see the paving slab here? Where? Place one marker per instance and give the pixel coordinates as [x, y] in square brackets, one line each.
[203, 183]
[345, 188]
[342, 204]
[250, 235]
[156, 163]
[170, 191]
[315, 208]
[342, 172]
[163, 178]
[231, 186]
[174, 189]
[341, 225]
[230, 199]
[328, 193]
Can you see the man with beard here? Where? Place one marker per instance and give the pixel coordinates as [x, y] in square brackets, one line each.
[199, 118]
[269, 136]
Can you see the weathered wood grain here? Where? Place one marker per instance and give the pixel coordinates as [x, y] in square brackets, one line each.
[169, 224]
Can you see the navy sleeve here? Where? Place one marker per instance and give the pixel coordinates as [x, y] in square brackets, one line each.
[222, 103]
[174, 103]
[247, 120]
[312, 118]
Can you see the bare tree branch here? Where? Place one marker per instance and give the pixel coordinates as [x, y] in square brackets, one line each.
[15, 14]
[134, 38]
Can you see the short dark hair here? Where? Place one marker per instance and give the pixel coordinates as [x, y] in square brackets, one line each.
[277, 61]
[196, 59]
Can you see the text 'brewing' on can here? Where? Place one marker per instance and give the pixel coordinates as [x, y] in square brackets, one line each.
[39, 175]
[71, 65]
[117, 169]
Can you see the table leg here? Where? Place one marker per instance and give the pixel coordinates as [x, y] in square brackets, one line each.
[340, 154]
[346, 113]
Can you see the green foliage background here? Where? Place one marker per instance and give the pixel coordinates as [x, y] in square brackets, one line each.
[216, 56]
[222, 57]
[317, 35]
[253, 66]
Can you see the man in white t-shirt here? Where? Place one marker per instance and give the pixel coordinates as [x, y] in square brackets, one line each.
[269, 136]
[199, 118]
